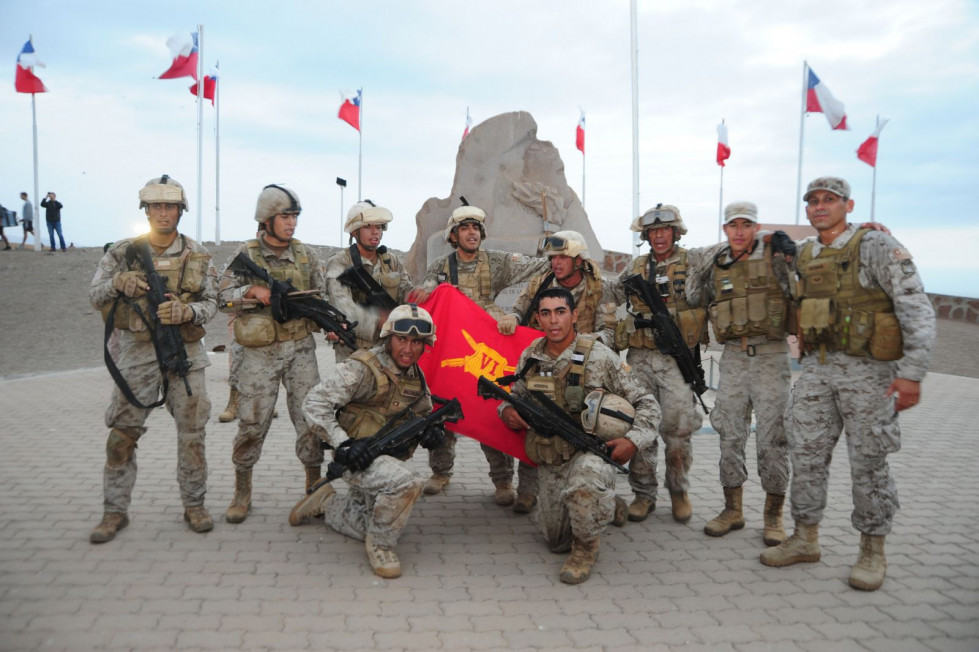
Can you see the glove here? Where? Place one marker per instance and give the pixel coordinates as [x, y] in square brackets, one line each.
[433, 438]
[172, 313]
[132, 284]
[507, 324]
[782, 243]
[354, 454]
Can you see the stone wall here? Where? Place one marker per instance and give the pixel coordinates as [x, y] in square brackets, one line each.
[955, 308]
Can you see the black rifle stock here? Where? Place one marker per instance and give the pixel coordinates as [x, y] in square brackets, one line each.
[549, 420]
[358, 278]
[285, 307]
[667, 335]
[390, 438]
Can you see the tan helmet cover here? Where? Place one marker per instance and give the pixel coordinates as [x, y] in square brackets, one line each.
[163, 190]
[364, 214]
[275, 199]
[660, 215]
[607, 415]
[408, 319]
[465, 214]
[565, 243]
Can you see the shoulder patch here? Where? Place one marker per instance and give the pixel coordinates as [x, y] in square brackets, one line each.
[626, 367]
[900, 254]
[516, 257]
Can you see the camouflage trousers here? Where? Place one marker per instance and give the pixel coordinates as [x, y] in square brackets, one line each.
[442, 460]
[576, 500]
[190, 413]
[844, 393]
[681, 418]
[760, 382]
[262, 369]
[378, 503]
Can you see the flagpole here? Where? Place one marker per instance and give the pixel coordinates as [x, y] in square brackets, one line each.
[635, 120]
[360, 145]
[720, 206]
[217, 156]
[37, 229]
[802, 127]
[200, 129]
[873, 187]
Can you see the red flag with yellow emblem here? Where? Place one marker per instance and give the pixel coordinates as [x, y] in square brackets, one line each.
[468, 346]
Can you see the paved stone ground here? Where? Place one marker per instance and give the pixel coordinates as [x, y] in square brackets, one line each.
[476, 575]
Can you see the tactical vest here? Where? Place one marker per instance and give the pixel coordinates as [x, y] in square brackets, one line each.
[692, 322]
[478, 286]
[836, 313]
[393, 394]
[383, 271]
[587, 305]
[256, 327]
[748, 300]
[184, 275]
[566, 389]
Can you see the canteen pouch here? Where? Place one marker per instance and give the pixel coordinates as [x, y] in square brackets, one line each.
[254, 329]
[886, 342]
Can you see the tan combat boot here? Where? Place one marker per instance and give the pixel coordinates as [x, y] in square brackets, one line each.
[111, 523]
[230, 412]
[640, 508]
[803, 545]
[681, 507]
[731, 518]
[505, 495]
[577, 568]
[524, 503]
[435, 484]
[774, 533]
[242, 501]
[198, 519]
[621, 513]
[384, 561]
[868, 573]
[311, 506]
[312, 476]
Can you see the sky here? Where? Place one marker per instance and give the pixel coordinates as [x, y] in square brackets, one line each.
[108, 124]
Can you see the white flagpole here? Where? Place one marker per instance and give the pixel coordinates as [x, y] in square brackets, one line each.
[583, 167]
[37, 224]
[802, 127]
[720, 206]
[360, 145]
[873, 187]
[217, 155]
[200, 128]
[635, 121]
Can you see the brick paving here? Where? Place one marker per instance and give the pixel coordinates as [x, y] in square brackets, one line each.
[476, 576]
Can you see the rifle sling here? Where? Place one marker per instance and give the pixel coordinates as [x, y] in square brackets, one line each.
[110, 364]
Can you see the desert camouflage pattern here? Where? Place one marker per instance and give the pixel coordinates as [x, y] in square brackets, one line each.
[847, 392]
[577, 496]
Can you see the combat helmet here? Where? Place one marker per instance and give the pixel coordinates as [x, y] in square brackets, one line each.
[465, 214]
[409, 319]
[564, 243]
[365, 213]
[607, 415]
[275, 199]
[163, 190]
[660, 215]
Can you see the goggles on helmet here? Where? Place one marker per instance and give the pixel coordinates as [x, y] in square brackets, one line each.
[656, 216]
[554, 243]
[412, 326]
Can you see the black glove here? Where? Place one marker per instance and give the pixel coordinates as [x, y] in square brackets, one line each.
[782, 243]
[433, 438]
[354, 454]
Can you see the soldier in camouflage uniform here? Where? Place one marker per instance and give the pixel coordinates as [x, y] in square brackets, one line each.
[370, 388]
[271, 352]
[665, 268]
[867, 333]
[366, 224]
[118, 287]
[481, 274]
[746, 285]
[577, 490]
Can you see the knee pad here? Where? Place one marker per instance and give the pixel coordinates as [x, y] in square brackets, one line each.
[119, 448]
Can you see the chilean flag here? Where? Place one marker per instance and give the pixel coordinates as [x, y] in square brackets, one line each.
[183, 49]
[723, 149]
[210, 86]
[469, 123]
[819, 99]
[350, 111]
[26, 81]
[867, 152]
[579, 135]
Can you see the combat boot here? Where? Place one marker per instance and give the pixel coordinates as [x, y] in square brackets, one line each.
[731, 518]
[524, 503]
[242, 501]
[111, 523]
[640, 508]
[505, 495]
[230, 412]
[803, 545]
[868, 573]
[312, 476]
[311, 506]
[577, 568]
[774, 533]
[681, 507]
[384, 561]
[621, 513]
[435, 484]
[198, 519]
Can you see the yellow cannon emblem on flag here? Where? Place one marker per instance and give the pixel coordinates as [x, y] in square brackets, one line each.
[483, 361]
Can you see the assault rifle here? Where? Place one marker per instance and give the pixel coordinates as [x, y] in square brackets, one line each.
[548, 420]
[357, 277]
[667, 336]
[288, 304]
[391, 438]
